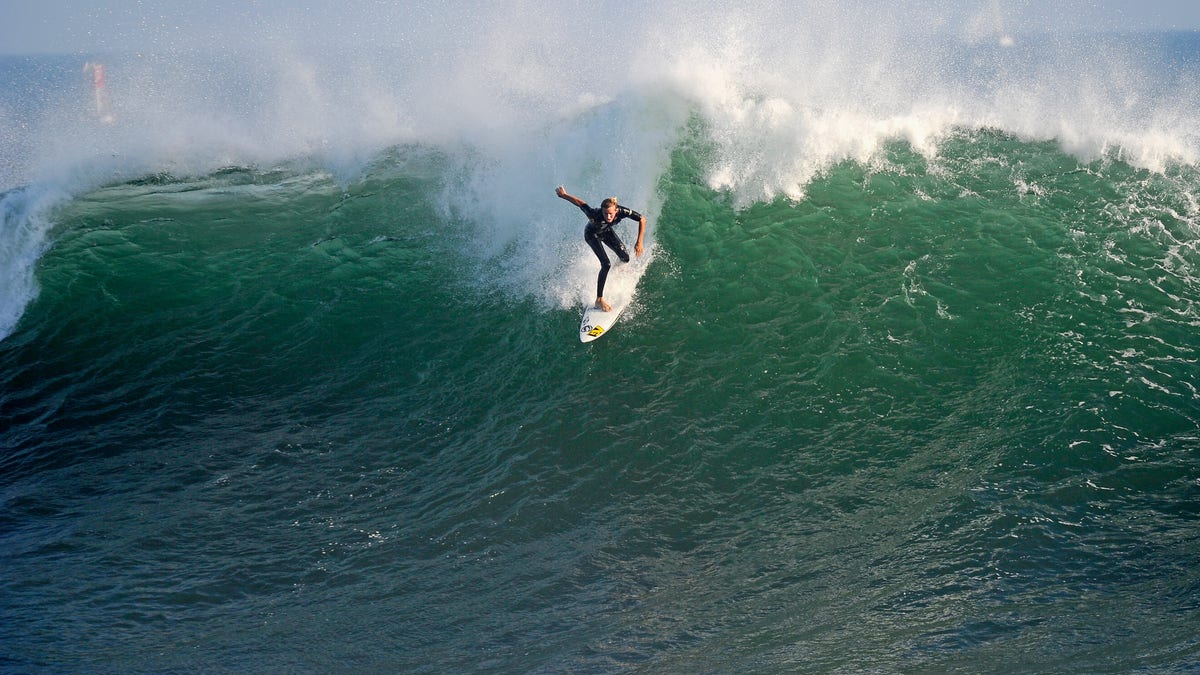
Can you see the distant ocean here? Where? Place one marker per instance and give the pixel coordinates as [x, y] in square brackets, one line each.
[290, 381]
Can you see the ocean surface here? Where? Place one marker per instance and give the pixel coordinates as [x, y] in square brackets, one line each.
[290, 381]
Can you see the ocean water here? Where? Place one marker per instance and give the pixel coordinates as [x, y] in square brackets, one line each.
[289, 376]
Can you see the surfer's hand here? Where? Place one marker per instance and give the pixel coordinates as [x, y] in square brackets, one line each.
[560, 191]
[637, 249]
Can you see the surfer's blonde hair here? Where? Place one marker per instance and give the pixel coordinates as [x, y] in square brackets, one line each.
[611, 201]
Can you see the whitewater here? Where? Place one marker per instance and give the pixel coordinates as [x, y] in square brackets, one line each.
[289, 376]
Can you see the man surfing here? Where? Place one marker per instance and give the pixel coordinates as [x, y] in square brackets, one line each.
[599, 230]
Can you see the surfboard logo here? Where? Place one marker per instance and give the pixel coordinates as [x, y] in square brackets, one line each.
[596, 331]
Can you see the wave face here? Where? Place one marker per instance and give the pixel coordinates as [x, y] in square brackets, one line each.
[520, 97]
[290, 376]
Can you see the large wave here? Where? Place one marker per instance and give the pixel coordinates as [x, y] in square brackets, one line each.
[521, 97]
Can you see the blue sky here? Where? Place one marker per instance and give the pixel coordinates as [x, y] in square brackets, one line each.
[84, 26]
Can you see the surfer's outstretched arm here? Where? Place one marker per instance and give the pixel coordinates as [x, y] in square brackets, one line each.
[637, 246]
[562, 192]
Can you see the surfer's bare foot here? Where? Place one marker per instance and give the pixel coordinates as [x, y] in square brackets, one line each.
[601, 304]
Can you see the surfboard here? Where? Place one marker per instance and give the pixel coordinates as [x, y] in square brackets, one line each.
[620, 291]
[597, 322]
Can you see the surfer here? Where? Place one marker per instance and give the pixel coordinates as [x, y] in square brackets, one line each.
[599, 232]
[100, 90]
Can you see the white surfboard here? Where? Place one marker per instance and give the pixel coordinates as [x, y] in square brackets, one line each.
[619, 292]
[597, 322]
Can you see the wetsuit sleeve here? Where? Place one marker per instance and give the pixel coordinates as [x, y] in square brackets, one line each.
[629, 213]
[587, 211]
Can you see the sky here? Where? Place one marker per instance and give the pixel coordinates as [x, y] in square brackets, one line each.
[97, 26]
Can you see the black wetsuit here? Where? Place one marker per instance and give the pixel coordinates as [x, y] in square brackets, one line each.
[597, 231]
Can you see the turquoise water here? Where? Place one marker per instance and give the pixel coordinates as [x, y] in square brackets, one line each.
[929, 409]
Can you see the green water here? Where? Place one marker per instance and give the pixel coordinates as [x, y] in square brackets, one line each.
[939, 414]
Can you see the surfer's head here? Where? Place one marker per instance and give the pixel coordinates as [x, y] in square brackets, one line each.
[609, 208]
